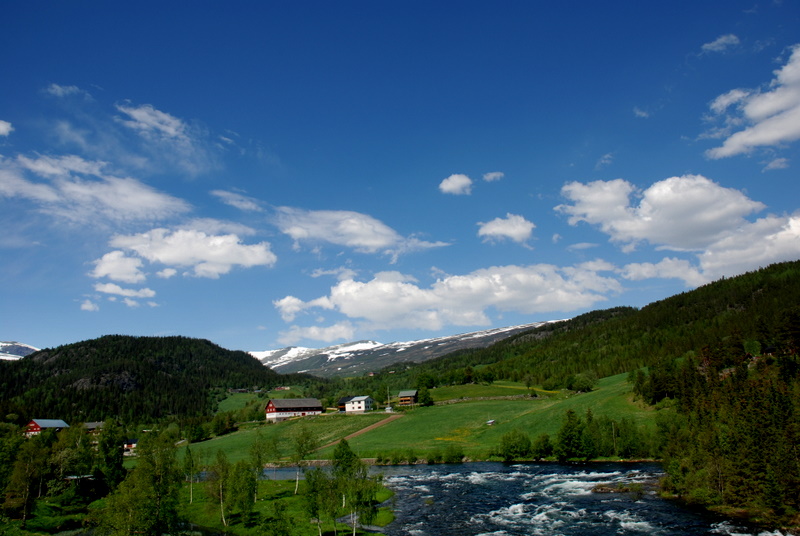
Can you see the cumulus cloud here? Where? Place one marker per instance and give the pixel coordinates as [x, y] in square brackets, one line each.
[206, 255]
[328, 334]
[118, 267]
[513, 227]
[668, 268]
[89, 305]
[360, 232]
[456, 184]
[687, 213]
[116, 290]
[394, 300]
[680, 213]
[493, 176]
[771, 117]
[239, 201]
[720, 44]
[78, 190]
[5, 128]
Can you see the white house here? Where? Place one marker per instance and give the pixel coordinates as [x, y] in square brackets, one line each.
[359, 404]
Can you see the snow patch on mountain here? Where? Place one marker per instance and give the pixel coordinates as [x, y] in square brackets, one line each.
[363, 355]
[11, 351]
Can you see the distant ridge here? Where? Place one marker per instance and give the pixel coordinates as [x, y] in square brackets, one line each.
[11, 351]
[360, 357]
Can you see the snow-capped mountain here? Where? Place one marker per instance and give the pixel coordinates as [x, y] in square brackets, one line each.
[11, 351]
[354, 358]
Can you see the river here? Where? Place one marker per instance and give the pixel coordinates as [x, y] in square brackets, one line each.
[496, 499]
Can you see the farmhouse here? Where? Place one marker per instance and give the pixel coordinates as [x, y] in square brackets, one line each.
[359, 404]
[36, 426]
[407, 398]
[279, 409]
[342, 404]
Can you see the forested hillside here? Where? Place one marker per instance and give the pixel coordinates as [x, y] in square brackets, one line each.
[744, 314]
[134, 379]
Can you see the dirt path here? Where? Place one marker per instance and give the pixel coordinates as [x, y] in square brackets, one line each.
[364, 430]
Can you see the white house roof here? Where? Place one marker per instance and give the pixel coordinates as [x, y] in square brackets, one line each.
[360, 399]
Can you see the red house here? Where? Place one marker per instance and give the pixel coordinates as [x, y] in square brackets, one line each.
[279, 409]
[36, 426]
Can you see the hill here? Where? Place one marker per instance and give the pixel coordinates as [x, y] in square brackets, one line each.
[736, 315]
[135, 379]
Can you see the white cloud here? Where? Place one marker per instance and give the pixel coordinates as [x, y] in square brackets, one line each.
[772, 117]
[679, 213]
[89, 305]
[207, 255]
[513, 227]
[77, 190]
[668, 268]
[151, 122]
[5, 128]
[776, 163]
[215, 226]
[340, 273]
[687, 213]
[361, 232]
[57, 90]
[605, 160]
[116, 290]
[456, 184]
[765, 241]
[640, 112]
[166, 273]
[720, 44]
[169, 139]
[493, 176]
[239, 201]
[117, 267]
[393, 300]
[328, 334]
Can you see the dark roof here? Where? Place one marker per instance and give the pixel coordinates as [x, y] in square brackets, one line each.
[410, 393]
[291, 403]
[344, 400]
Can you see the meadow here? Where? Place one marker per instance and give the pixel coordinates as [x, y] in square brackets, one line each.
[463, 423]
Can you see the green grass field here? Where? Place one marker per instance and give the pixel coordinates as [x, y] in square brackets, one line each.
[463, 424]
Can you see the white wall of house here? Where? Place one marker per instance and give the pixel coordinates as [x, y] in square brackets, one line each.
[359, 404]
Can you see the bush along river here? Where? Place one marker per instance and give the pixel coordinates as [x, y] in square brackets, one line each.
[496, 499]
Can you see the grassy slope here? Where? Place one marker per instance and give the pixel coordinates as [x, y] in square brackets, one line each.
[463, 423]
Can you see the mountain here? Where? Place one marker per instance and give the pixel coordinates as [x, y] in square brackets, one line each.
[360, 357]
[135, 379]
[11, 351]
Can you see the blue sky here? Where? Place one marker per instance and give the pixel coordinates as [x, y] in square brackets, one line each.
[264, 174]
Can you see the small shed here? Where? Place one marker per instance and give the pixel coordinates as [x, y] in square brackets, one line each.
[36, 426]
[129, 447]
[359, 404]
[407, 398]
[279, 409]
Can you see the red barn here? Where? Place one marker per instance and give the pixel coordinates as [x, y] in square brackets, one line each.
[279, 409]
[36, 426]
